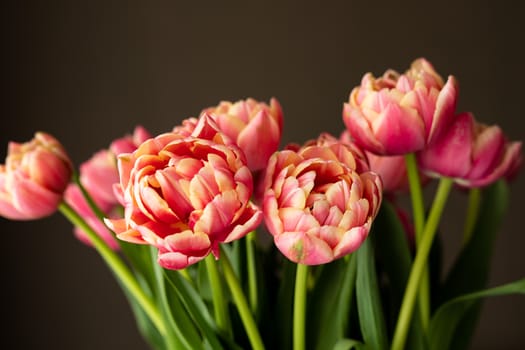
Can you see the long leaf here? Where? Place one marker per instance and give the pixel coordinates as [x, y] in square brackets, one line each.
[330, 307]
[474, 259]
[471, 270]
[395, 260]
[349, 344]
[447, 317]
[369, 306]
[197, 309]
[181, 332]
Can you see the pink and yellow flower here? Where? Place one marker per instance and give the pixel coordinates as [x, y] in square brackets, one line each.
[319, 201]
[34, 178]
[472, 153]
[399, 114]
[185, 195]
[254, 126]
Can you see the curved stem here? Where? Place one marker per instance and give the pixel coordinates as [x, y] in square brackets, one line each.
[299, 307]
[240, 301]
[117, 266]
[474, 198]
[418, 209]
[418, 267]
[219, 305]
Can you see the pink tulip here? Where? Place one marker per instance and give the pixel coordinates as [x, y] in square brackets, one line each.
[186, 195]
[474, 154]
[34, 178]
[98, 176]
[129, 143]
[391, 169]
[399, 114]
[254, 126]
[317, 205]
[186, 127]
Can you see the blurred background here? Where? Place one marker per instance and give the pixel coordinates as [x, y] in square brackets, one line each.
[90, 71]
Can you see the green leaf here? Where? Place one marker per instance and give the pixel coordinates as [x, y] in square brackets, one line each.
[284, 306]
[139, 257]
[369, 306]
[197, 310]
[471, 269]
[349, 344]
[146, 328]
[181, 332]
[448, 316]
[474, 260]
[395, 261]
[330, 307]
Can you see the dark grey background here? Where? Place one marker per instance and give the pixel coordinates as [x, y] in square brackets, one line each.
[88, 72]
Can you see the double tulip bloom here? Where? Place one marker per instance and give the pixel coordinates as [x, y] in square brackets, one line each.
[397, 113]
[33, 179]
[254, 126]
[320, 200]
[185, 195]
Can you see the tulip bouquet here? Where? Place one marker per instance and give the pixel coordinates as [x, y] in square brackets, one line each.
[222, 240]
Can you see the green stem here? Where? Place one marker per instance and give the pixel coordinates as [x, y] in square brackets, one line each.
[418, 267]
[219, 305]
[299, 307]
[117, 266]
[240, 301]
[252, 272]
[474, 199]
[171, 340]
[416, 195]
[418, 209]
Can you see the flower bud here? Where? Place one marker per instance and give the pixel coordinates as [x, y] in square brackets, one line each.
[34, 178]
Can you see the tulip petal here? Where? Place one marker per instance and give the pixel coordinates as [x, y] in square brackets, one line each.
[302, 248]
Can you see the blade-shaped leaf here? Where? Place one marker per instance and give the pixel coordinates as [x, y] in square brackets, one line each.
[447, 317]
[330, 307]
[471, 269]
[395, 261]
[369, 306]
[349, 344]
[474, 259]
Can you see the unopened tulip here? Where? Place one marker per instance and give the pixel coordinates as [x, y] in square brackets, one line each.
[399, 114]
[254, 126]
[317, 206]
[98, 176]
[185, 195]
[473, 154]
[34, 178]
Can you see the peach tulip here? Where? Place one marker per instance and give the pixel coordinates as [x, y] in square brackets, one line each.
[34, 178]
[317, 205]
[185, 195]
[254, 126]
[397, 113]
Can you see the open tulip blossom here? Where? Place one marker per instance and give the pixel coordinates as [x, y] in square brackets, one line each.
[221, 239]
